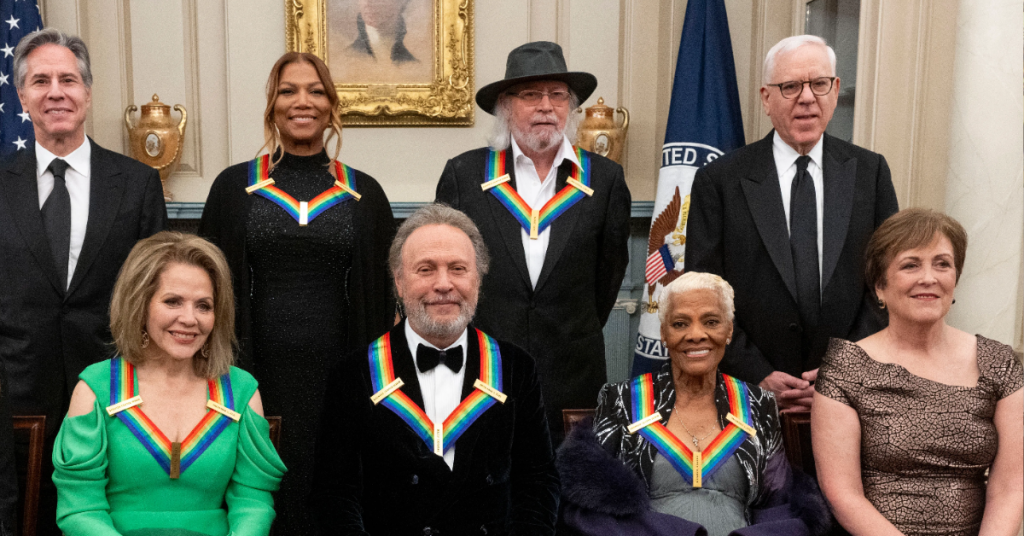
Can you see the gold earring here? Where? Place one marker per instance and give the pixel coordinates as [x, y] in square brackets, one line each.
[145, 339]
[881, 303]
[204, 351]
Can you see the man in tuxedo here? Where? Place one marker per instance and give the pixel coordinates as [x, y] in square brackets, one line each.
[70, 211]
[785, 220]
[557, 266]
[394, 456]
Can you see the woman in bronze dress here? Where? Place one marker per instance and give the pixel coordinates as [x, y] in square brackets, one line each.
[308, 255]
[906, 422]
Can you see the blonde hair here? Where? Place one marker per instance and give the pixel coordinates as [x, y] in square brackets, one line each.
[271, 135]
[697, 281]
[138, 281]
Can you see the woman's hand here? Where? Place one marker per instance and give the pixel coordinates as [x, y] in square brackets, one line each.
[1005, 495]
[835, 437]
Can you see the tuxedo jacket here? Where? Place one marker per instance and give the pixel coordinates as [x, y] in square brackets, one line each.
[560, 321]
[48, 335]
[375, 476]
[737, 229]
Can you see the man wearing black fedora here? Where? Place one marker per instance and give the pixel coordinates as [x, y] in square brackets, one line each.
[556, 220]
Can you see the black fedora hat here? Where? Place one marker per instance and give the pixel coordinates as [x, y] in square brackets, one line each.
[540, 60]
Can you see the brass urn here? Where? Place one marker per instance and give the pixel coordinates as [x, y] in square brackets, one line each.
[598, 132]
[155, 140]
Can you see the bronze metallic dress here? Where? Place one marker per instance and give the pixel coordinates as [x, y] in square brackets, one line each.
[925, 446]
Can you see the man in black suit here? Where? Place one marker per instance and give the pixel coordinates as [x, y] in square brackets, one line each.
[785, 220]
[551, 288]
[70, 211]
[382, 469]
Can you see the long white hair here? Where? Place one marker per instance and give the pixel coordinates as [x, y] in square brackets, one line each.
[501, 133]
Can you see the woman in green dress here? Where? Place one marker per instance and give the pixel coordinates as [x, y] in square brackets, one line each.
[167, 438]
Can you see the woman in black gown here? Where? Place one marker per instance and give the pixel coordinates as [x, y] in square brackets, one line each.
[308, 255]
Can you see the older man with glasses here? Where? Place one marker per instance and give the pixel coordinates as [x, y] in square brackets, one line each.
[785, 220]
[556, 220]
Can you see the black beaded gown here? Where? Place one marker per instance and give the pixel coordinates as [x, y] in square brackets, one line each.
[299, 307]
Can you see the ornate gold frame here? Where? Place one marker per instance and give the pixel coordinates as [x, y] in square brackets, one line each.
[448, 100]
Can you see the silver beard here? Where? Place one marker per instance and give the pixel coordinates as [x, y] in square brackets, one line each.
[538, 142]
[429, 327]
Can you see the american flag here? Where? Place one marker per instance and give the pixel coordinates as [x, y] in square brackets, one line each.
[658, 264]
[18, 18]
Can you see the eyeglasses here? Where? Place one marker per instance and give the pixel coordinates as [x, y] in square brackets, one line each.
[819, 86]
[533, 97]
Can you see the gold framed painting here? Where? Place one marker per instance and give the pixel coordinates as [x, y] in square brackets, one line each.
[394, 62]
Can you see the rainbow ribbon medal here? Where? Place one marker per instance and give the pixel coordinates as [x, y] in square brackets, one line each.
[173, 457]
[535, 221]
[694, 466]
[261, 184]
[441, 436]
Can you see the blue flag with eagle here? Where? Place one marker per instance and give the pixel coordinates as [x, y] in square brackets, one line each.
[18, 18]
[704, 122]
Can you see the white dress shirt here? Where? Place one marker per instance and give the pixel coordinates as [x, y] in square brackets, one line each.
[77, 179]
[536, 193]
[785, 165]
[441, 388]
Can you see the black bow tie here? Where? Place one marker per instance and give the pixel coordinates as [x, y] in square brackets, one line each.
[427, 358]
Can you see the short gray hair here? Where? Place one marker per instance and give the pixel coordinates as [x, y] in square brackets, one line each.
[439, 214]
[500, 137]
[51, 36]
[790, 44]
[697, 281]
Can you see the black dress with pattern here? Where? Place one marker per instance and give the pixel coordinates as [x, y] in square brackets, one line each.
[306, 295]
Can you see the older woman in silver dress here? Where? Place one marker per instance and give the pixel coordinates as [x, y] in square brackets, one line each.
[707, 447]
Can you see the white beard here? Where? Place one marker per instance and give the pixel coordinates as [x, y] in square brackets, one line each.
[428, 326]
[538, 141]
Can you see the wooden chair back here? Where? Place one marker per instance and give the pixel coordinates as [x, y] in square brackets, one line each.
[796, 435]
[34, 426]
[275, 431]
[573, 417]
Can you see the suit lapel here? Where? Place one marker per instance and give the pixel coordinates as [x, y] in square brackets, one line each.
[840, 179]
[106, 187]
[761, 189]
[23, 204]
[405, 366]
[561, 229]
[507, 224]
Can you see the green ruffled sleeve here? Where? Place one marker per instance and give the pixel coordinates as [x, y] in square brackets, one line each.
[258, 472]
[80, 474]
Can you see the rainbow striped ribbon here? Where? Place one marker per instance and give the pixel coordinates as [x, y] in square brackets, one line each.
[123, 388]
[487, 392]
[303, 212]
[536, 221]
[695, 466]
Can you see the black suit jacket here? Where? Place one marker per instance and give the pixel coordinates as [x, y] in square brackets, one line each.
[375, 476]
[48, 335]
[8, 471]
[559, 323]
[737, 229]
